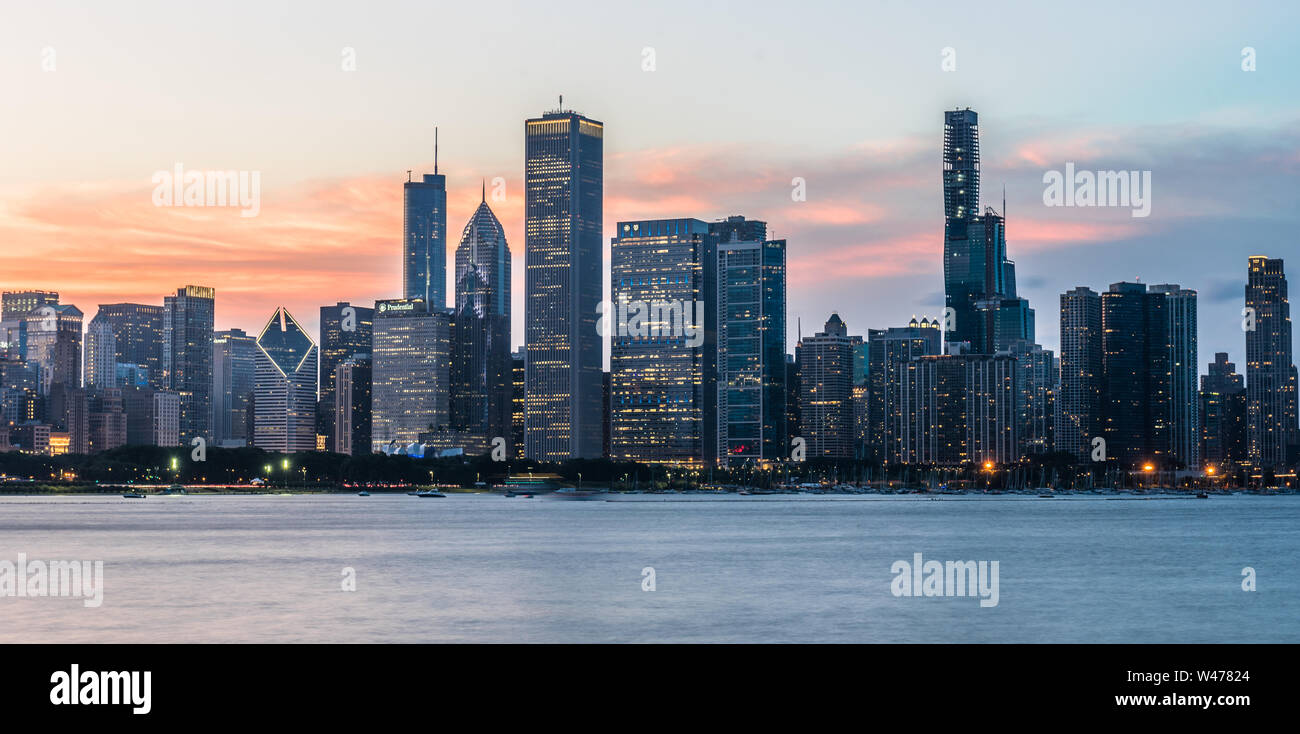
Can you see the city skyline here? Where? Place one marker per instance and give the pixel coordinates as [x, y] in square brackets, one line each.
[870, 207]
[984, 400]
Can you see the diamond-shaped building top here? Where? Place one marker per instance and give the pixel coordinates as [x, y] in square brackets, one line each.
[285, 341]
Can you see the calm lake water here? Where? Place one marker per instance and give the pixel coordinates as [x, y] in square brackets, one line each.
[735, 569]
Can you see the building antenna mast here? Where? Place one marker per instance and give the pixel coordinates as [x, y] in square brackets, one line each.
[435, 150]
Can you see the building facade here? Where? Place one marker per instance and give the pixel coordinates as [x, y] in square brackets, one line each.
[480, 374]
[345, 332]
[1223, 413]
[751, 368]
[1270, 364]
[661, 349]
[563, 220]
[284, 393]
[889, 351]
[234, 373]
[187, 356]
[826, 369]
[410, 378]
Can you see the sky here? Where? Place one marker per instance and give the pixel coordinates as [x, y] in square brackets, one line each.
[742, 99]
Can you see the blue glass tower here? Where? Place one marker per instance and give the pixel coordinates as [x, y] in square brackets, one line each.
[424, 237]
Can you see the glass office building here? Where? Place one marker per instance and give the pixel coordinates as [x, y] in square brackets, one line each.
[410, 377]
[662, 348]
[751, 352]
[563, 219]
[284, 402]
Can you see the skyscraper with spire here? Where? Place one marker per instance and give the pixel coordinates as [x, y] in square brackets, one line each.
[979, 279]
[424, 236]
[481, 365]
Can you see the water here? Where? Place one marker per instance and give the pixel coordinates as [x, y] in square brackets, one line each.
[735, 569]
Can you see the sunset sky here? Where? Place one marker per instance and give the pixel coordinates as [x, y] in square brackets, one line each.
[744, 97]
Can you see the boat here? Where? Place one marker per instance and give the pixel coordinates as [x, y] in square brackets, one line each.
[1046, 496]
[1202, 496]
[569, 493]
[133, 495]
[174, 489]
[363, 493]
[429, 493]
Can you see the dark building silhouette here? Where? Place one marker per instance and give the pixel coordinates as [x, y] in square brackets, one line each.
[1223, 412]
[1136, 375]
[352, 406]
[345, 332]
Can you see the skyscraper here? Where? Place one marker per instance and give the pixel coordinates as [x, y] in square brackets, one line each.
[137, 336]
[410, 376]
[481, 365]
[751, 382]
[1223, 412]
[563, 210]
[957, 409]
[961, 164]
[345, 331]
[979, 279]
[100, 358]
[352, 406]
[1078, 403]
[1184, 402]
[284, 402]
[826, 362]
[1136, 375]
[234, 374]
[187, 356]
[889, 351]
[517, 379]
[53, 343]
[17, 304]
[14, 307]
[1270, 365]
[661, 351]
[424, 237]
[1037, 374]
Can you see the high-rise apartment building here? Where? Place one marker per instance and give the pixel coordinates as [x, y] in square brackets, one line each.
[826, 363]
[889, 351]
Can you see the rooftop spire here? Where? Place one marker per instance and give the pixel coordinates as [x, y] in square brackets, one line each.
[435, 150]
[485, 191]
